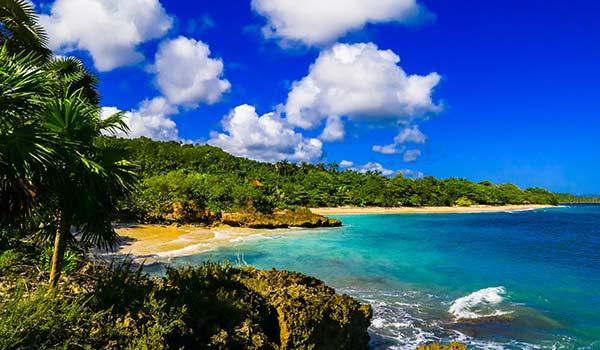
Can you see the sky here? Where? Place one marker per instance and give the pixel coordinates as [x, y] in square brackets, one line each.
[495, 90]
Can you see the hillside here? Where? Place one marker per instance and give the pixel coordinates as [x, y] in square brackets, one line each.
[200, 181]
[567, 198]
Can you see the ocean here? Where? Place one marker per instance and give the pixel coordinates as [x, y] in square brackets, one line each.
[507, 280]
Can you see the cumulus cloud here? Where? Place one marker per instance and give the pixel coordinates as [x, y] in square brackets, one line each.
[334, 129]
[368, 167]
[318, 22]
[387, 149]
[359, 81]
[346, 163]
[265, 138]
[110, 30]
[150, 119]
[185, 73]
[406, 135]
[413, 174]
[411, 155]
[410, 134]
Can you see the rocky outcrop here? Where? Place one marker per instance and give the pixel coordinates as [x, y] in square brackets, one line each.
[310, 314]
[301, 217]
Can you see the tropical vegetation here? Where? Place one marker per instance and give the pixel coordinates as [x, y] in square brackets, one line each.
[186, 178]
[567, 198]
[58, 180]
[63, 182]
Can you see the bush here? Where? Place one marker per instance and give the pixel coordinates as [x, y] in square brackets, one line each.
[42, 321]
[464, 202]
[69, 264]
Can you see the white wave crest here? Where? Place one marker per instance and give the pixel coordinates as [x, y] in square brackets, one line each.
[479, 304]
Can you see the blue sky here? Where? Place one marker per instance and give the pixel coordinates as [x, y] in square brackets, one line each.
[500, 90]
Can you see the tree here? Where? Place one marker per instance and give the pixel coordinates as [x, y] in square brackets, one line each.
[26, 147]
[87, 179]
[56, 172]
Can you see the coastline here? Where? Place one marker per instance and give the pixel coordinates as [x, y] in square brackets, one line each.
[425, 210]
[152, 243]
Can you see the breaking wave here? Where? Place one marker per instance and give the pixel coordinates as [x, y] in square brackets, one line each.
[480, 304]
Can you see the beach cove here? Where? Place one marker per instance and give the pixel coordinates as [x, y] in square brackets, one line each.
[154, 242]
[498, 280]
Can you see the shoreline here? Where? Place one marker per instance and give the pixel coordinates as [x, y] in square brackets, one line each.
[426, 210]
[153, 243]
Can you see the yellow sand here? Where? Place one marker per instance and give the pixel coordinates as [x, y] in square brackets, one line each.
[160, 242]
[424, 210]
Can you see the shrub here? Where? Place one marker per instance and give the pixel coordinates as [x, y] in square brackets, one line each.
[464, 202]
[69, 264]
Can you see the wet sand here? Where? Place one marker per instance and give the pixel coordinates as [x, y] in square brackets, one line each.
[152, 243]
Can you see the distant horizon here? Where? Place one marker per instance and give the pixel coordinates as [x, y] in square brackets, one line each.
[498, 90]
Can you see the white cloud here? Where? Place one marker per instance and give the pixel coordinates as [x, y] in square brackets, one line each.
[150, 119]
[387, 149]
[406, 135]
[410, 134]
[411, 155]
[110, 30]
[413, 174]
[185, 73]
[346, 163]
[370, 166]
[265, 138]
[318, 22]
[359, 81]
[334, 129]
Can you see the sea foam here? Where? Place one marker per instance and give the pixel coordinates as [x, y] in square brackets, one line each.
[479, 304]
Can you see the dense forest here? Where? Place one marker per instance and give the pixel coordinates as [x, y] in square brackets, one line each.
[575, 199]
[191, 178]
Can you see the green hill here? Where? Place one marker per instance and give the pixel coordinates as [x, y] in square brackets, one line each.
[186, 179]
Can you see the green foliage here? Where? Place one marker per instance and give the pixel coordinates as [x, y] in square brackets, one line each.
[183, 182]
[19, 28]
[8, 258]
[39, 320]
[54, 173]
[42, 321]
[570, 198]
[464, 202]
[70, 260]
[220, 310]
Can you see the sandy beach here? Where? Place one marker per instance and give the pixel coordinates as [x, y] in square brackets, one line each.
[152, 243]
[162, 242]
[423, 210]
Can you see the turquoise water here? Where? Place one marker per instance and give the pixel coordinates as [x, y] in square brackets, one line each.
[520, 280]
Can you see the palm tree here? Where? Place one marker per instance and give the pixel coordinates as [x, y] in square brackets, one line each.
[26, 148]
[55, 173]
[88, 178]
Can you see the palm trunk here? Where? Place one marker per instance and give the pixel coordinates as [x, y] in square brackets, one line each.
[59, 251]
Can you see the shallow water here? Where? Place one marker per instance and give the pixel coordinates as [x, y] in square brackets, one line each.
[520, 280]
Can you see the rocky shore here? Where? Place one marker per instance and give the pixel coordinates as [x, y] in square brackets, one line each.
[301, 217]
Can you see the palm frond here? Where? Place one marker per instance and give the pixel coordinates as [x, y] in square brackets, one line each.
[20, 29]
[71, 75]
[114, 124]
[23, 87]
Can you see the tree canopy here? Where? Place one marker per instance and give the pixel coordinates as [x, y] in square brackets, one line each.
[175, 175]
